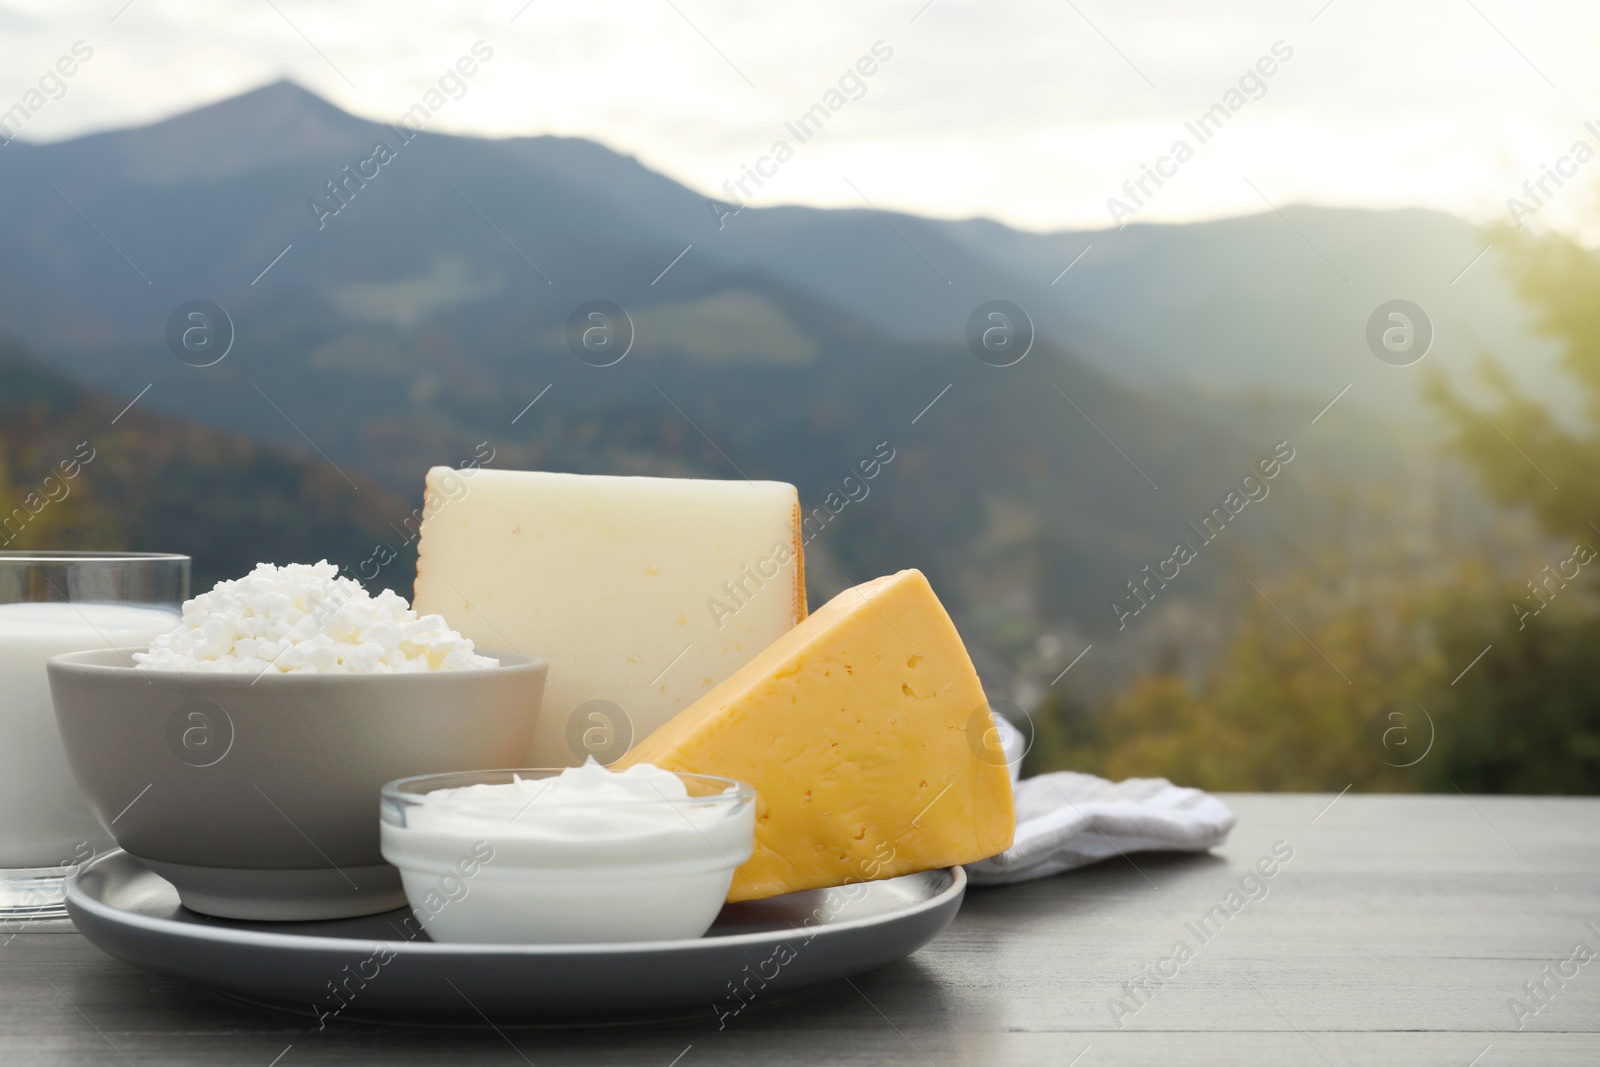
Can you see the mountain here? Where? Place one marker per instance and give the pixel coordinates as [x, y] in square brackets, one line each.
[1277, 299]
[403, 300]
[82, 469]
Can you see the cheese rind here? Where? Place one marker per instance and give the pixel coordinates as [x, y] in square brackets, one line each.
[856, 729]
[641, 593]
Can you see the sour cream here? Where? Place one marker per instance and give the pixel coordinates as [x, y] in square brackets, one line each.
[581, 855]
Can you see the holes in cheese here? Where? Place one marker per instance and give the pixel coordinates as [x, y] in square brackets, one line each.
[854, 729]
[642, 593]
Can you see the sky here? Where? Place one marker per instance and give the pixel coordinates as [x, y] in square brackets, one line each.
[1034, 112]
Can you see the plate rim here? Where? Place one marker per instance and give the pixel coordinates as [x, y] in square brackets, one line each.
[78, 898]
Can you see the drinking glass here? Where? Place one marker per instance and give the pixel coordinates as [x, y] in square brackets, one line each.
[53, 602]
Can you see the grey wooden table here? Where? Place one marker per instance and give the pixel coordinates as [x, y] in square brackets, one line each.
[1399, 932]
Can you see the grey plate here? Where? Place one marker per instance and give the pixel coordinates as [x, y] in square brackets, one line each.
[365, 968]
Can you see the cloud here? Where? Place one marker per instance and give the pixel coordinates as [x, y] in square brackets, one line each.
[1026, 111]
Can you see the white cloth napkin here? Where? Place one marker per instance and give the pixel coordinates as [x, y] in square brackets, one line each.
[1067, 820]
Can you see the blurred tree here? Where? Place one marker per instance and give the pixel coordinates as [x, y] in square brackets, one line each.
[1527, 719]
[1553, 468]
[1493, 677]
[1285, 708]
[60, 514]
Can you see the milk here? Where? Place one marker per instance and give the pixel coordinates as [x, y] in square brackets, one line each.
[44, 819]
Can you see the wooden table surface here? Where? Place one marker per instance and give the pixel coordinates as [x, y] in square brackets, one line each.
[1399, 932]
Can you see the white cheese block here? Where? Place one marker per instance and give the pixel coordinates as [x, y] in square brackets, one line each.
[642, 593]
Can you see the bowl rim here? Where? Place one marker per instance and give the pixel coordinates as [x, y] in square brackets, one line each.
[88, 661]
[395, 792]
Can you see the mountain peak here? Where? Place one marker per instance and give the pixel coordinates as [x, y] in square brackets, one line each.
[279, 121]
[283, 96]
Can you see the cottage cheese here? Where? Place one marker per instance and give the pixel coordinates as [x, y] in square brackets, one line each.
[304, 618]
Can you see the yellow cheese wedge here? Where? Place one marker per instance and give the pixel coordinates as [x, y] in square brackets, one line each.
[857, 730]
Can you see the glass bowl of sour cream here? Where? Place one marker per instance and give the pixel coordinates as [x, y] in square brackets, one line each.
[570, 856]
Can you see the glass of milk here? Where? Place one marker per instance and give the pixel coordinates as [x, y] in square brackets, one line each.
[53, 602]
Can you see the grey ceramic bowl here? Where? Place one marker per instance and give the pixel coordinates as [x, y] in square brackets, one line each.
[257, 797]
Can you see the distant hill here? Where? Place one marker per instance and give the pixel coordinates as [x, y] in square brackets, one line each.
[426, 320]
[209, 197]
[151, 482]
[1275, 300]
